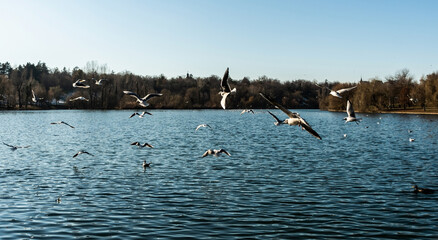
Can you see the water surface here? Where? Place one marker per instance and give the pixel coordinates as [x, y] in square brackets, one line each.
[280, 182]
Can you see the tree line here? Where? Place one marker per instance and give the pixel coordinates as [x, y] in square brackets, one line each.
[53, 88]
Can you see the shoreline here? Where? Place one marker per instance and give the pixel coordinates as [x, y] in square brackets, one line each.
[409, 111]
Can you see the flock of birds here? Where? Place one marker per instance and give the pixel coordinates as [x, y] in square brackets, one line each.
[293, 118]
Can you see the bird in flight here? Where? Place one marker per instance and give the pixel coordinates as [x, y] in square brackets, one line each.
[82, 152]
[351, 116]
[202, 125]
[79, 98]
[100, 82]
[140, 115]
[226, 89]
[215, 152]
[337, 93]
[142, 145]
[13, 148]
[62, 122]
[247, 111]
[142, 101]
[294, 118]
[80, 84]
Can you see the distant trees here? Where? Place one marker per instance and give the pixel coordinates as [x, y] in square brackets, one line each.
[399, 91]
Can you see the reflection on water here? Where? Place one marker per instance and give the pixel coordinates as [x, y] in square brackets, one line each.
[279, 182]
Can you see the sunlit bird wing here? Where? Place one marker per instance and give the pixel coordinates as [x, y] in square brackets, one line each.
[224, 99]
[345, 89]
[133, 94]
[151, 95]
[350, 111]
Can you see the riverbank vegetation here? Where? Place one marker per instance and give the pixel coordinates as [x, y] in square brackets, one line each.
[53, 89]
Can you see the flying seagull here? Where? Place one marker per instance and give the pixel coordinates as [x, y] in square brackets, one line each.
[140, 115]
[338, 93]
[294, 118]
[215, 152]
[82, 151]
[142, 101]
[247, 111]
[78, 98]
[35, 99]
[351, 115]
[100, 82]
[13, 148]
[226, 90]
[62, 122]
[202, 125]
[277, 122]
[142, 145]
[80, 84]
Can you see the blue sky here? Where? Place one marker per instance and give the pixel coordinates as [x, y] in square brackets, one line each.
[287, 40]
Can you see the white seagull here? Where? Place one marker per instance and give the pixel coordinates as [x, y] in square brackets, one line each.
[294, 118]
[215, 152]
[411, 139]
[142, 101]
[81, 152]
[351, 115]
[78, 98]
[247, 111]
[80, 84]
[62, 122]
[277, 122]
[142, 145]
[140, 115]
[13, 148]
[226, 90]
[35, 99]
[202, 125]
[337, 93]
[100, 82]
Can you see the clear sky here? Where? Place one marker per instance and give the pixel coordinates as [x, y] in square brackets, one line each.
[338, 40]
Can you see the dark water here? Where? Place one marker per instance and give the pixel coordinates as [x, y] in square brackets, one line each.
[280, 182]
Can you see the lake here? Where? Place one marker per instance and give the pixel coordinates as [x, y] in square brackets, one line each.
[279, 182]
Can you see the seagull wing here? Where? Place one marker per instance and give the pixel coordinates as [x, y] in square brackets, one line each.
[132, 115]
[224, 151]
[198, 127]
[76, 154]
[288, 113]
[224, 82]
[148, 113]
[275, 117]
[308, 128]
[224, 98]
[345, 89]
[350, 110]
[8, 145]
[133, 94]
[135, 143]
[151, 95]
[67, 124]
[88, 153]
[206, 153]
[147, 145]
